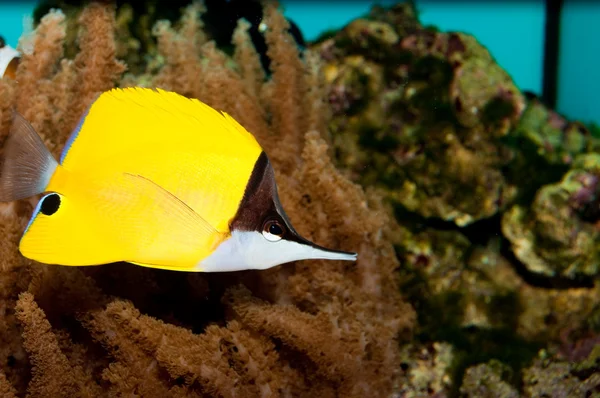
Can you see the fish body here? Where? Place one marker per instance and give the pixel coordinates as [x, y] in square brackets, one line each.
[156, 179]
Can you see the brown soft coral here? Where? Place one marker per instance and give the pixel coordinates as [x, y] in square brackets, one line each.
[13, 278]
[312, 328]
[222, 361]
[6, 389]
[53, 375]
[54, 92]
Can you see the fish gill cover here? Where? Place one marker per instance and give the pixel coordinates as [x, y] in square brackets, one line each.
[308, 329]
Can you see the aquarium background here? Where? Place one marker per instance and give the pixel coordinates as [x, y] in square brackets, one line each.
[513, 31]
[474, 206]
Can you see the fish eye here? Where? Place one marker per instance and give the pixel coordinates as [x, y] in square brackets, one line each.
[273, 230]
[50, 204]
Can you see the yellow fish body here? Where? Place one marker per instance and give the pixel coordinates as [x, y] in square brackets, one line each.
[157, 179]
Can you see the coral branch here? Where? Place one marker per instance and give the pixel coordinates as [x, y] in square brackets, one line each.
[6, 389]
[135, 370]
[39, 63]
[248, 59]
[53, 376]
[211, 360]
[312, 335]
[14, 278]
[182, 71]
[36, 69]
[7, 95]
[220, 81]
[97, 67]
[289, 90]
[222, 355]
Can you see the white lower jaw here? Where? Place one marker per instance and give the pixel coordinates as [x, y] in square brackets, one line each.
[250, 250]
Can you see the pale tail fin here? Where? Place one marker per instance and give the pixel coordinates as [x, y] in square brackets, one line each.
[26, 164]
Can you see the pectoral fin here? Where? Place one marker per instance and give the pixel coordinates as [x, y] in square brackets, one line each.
[170, 234]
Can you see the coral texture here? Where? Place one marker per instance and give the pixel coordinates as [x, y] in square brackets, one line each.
[310, 328]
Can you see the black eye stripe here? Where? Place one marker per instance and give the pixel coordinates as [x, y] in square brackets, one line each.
[50, 204]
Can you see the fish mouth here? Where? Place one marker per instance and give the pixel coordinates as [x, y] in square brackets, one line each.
[318, 252]
[324, 253]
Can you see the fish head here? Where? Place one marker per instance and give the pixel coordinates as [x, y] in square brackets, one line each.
[262, 235]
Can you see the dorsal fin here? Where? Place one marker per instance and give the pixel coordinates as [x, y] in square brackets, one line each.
[121, 120]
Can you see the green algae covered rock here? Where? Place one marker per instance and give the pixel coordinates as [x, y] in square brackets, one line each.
[559, 234]
[480, 92]
[556, 376]
[420, 114]
[496, 195]
[473, 298]
[545, 133]
[427, 370]
[488, 381]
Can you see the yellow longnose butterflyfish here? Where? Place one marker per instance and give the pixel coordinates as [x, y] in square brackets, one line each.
[156, 179]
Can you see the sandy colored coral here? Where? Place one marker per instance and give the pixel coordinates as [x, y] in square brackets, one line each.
[120, 329]
[53, 92]
[222, 361]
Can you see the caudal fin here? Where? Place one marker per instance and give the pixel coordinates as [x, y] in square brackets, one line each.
[26, 165]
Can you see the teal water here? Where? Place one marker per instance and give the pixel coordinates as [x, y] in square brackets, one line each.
[12, 19]
[578, 82]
